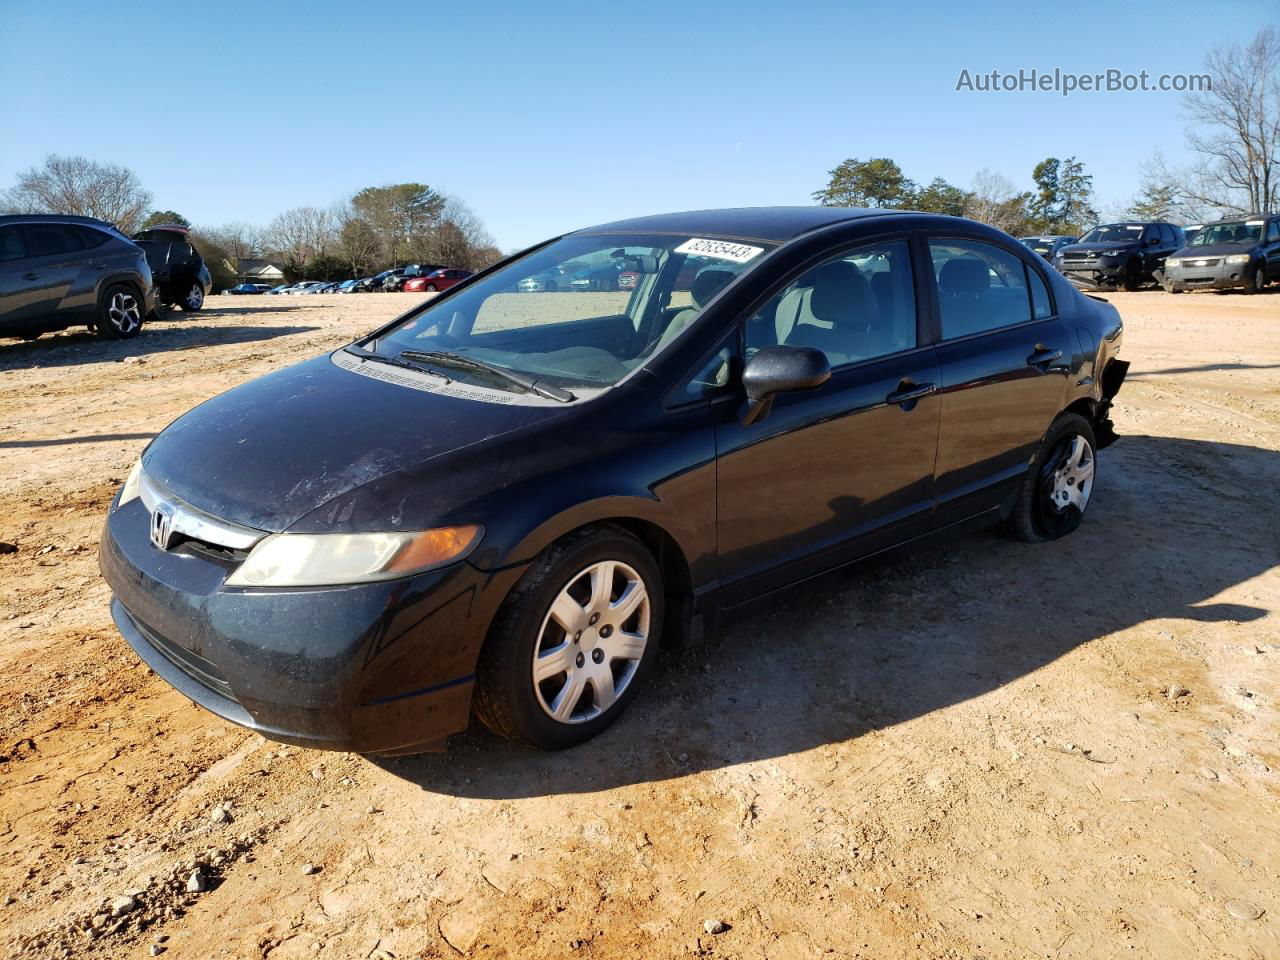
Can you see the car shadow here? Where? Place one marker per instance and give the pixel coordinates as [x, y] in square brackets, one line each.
[72, 349]
[859, 652]
[215, 308]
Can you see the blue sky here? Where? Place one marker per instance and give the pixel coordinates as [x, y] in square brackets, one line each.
[546, 117]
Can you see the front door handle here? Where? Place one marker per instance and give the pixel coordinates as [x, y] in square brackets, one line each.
[908, 393]
[1043, 356]
[31, 276]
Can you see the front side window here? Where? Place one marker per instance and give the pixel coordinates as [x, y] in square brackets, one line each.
[857, 306]
[582, 311]
[1273, 232]
[980, 286]
[11, 245]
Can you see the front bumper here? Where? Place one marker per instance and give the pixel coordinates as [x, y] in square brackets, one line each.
[1216, 274]
[379, 667]
[1094, 274]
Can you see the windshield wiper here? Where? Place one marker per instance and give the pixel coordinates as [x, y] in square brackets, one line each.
[449, 359]
[394, 362]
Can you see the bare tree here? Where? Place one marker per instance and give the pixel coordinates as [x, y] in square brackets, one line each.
[241, 241]
[82, 187]
[1240, 117]
[301, 234]
[459, 237]
[359, 243]
[995, 200]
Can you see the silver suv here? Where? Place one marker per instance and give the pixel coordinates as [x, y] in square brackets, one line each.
[59, 271]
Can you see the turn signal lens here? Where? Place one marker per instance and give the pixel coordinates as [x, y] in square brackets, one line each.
[130, 489]
[329, 559]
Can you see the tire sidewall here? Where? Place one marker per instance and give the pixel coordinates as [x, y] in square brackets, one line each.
[504, 672]
[1027, 524]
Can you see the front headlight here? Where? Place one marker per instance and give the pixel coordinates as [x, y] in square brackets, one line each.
[328, 559]
[1238, 258]
[130, 489]
[1173, 262]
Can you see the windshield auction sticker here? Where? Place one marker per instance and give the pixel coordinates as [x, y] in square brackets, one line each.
[720, 249]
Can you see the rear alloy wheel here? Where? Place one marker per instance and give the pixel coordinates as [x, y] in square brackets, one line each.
[120, 315]
[431, 288]
[573, 641]
[1256, 278]
[1057, 488]
[194, 299]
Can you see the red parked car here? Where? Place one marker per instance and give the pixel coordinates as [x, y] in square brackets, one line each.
[435, 281]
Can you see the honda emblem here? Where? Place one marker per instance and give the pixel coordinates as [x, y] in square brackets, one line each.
[161, 526]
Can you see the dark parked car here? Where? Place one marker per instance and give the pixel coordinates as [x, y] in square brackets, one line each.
[511, 510]
[59, 271]
[1047, 246]
[247, 289]
[1240, 252]
[180, 274]
[1119, 255]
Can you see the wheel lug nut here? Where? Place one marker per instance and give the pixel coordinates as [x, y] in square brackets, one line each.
[606, 630]
[595, 618]
[580, 660]
[597, 655]
[577, 636]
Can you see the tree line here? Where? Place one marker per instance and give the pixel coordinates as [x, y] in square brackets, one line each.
[374, 229]
[1235, 136]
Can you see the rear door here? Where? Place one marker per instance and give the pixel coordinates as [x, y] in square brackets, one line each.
[1004, 358]
[1271, 244]
[55, 252]
[18, 290]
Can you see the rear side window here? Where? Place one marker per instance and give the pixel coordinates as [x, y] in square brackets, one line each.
[1273, 231]
[47, 239]
[91, 238]
[11, 245]
[1041, 306]
[980, 287]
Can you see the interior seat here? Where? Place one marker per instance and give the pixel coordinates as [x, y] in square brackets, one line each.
[835, 315]
[963, 284]
[702, 291]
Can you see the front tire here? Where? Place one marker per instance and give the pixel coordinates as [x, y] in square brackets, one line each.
[1132, 277]
[1256, 278]
[431, 288]
[119, 313]
[1056, 490]
[193, 300]
[573, 641]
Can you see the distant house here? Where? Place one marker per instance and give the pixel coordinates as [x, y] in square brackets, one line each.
[260, 271]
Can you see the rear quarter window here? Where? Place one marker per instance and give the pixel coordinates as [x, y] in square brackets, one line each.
[11, 245]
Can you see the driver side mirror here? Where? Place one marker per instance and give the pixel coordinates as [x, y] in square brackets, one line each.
[780, 369]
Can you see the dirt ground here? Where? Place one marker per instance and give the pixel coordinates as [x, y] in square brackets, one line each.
[992, 750]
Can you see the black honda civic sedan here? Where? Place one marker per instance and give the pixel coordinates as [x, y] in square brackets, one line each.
[504, 502]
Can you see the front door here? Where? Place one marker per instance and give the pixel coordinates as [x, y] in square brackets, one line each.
[841, 471]
[1004, 358]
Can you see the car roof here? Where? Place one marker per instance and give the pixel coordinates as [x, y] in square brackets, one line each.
[53, 218]
[1240, 218]
[770, 224]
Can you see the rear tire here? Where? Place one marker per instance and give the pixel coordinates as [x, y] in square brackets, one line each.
[431, 288]
[558, 665]
[1057, 488]
[193, 300]
[119, 313]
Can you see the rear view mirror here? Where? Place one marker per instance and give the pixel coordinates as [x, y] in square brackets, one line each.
[780, 369]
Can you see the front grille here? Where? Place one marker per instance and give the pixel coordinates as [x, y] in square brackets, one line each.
[194, 666]
[1197, 264]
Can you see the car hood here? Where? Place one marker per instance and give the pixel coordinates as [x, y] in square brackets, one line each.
[1214, 250]
[269, 452]
[1101, 247]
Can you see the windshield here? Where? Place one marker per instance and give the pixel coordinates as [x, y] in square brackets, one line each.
[1114, 233]
[1245, 233]
[1040, 245]
[582, 311]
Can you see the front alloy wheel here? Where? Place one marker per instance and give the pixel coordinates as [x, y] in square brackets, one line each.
[573, 641]
[591, 642]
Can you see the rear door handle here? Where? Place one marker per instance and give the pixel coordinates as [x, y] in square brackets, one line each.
[1043, 357]
[31, 276]
[908, 392]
